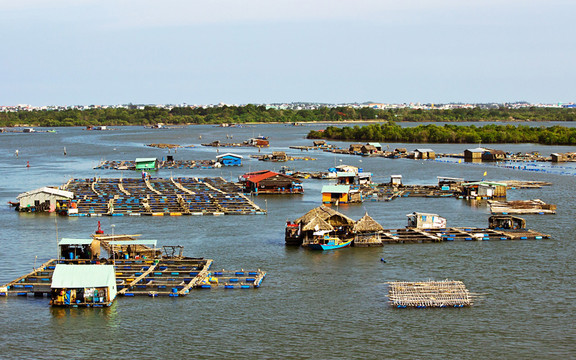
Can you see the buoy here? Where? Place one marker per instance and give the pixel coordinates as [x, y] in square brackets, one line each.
[27, 163]
[382, 259]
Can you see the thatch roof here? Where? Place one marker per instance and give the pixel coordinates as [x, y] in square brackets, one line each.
[327, 214]
[317, 224]
[367, 224]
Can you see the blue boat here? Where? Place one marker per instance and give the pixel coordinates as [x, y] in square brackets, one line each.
[329, 243]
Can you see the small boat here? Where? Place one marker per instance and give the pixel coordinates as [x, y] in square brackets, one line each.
[329, 243]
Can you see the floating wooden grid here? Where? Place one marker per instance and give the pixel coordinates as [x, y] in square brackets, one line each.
[446, 293]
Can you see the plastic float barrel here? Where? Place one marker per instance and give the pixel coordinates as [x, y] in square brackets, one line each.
[244, 286]
[228, 286]
[239, 273]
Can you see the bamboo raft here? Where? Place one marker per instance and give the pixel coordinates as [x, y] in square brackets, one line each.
[446, 293]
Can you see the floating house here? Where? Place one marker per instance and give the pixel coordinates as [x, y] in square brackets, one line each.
[493, 155]
[367, 232]
[355, 148]
[146, 164]
[354, 179]
[425, 221]
[259, 141]
[322, 218]
[396, 180]
[78, 249]
[424, 154]
[270, 182]
[483, 154]
[230, 159]
[484, 189]
[83, 285]
[368, 149]
[42, 199]
[340, 194]
[506, 222]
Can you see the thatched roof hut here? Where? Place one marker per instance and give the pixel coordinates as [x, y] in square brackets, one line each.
[317, 224]
[367, 224]
[329, 215]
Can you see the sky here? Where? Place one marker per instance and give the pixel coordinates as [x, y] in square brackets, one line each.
[82, 52]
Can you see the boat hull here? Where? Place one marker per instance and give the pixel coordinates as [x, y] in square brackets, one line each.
[329, 247]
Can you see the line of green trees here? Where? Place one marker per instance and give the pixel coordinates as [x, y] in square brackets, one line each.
[259, 113]
[452, 134]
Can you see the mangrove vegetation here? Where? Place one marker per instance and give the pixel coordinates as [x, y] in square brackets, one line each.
[149, 115]
[449, 133]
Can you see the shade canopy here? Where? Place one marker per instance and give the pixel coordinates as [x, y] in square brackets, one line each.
[83, 276]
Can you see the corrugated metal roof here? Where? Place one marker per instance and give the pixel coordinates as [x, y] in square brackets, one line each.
[145, 159]
[68, 241]
[375, 144]
[336, 189]
[424, 150]
[49, 190]
[83, 276]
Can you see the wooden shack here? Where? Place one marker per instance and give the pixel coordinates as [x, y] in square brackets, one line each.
[146, 164]
[493, 155]
[42, 199]
[484, 189]
[396, 180]
[319, 143]
[557, 157]
[376, 145]
[270, 182]
[473, 154]
[367, 232]
[355, 148]
[335, 194]
[83, 285]
[424, 154]
[368, 149]
[230, 159]
[506, 222]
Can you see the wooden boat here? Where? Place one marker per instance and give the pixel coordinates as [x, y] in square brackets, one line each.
[329, 243]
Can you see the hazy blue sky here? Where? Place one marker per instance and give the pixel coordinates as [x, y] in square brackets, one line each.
[259, 51]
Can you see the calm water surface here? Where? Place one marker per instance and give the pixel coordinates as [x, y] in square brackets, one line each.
[311, 305]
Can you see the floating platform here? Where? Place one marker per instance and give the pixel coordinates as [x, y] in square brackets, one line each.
[413, 235]
[447, 293]
[176, 164]
[157, 197]
[517, 207]
[172, 277]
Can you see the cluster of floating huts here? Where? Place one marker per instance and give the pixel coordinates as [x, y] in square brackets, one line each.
[325, 226]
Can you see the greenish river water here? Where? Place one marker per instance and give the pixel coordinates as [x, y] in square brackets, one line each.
[312, 305]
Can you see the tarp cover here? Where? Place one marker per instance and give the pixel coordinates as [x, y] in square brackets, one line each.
[83, 276]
